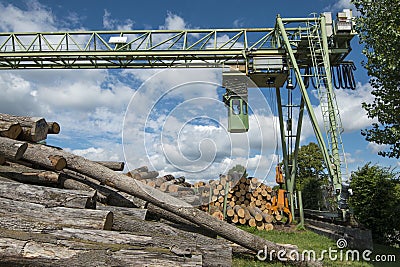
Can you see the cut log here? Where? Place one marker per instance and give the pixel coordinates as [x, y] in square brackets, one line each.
[90, 248]
[47, 196]
[33, 128]
[257, 216]
[239, 211]
[137, 170]
[53, 127]
[12, 149]
[216, 252]
[122, 215]
[24, 216]
[268, 226]
[122, 199]
[164, 201]
[146, 175]
[113, 165]
[10, 129]
[45, 157]
[24, 174]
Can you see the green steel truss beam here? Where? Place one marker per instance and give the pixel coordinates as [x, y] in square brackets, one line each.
[148, 48]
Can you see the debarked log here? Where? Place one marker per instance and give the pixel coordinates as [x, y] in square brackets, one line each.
[24, 216]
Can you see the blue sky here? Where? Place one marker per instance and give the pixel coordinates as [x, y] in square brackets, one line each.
[91, 105]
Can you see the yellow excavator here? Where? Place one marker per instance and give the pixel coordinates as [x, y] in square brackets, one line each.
[280, 202]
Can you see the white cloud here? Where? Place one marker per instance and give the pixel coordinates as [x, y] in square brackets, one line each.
[111, 23]
[36, 17]
[174, 22]
[375, 148]
[238, 23]
[352, 114]
[339, 5]
[99, 154]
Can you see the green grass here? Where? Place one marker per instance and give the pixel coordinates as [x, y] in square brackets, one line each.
[307, 240]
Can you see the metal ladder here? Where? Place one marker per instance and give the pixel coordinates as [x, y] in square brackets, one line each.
[330, 111]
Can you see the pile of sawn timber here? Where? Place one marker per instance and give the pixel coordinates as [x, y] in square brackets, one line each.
[60, 209]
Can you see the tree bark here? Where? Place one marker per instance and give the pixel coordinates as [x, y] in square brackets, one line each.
[33, 129]
[44, 156]
[48, 196]
[216, 252]
[10, 129]
[122, 215]
[12, 149]
[24, 174]
[24, 216]
[90, 248]
[113, 165]
[164, 201]
[117, 198]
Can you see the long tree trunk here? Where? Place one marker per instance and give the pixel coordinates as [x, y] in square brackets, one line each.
[46, 157]
[216, 252]
[92, 248]
[25, 174]
[113, 165]
[18, 215]
[163, 201]
[48, 196]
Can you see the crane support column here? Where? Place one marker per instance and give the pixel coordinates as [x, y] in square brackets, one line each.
[305, 96]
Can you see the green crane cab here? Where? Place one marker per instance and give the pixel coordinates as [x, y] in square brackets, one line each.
[238, 117]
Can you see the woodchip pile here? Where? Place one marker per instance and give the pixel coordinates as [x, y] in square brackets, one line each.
[60, 209]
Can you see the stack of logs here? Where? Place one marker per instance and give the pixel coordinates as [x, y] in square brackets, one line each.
[244, 201]
[43, 224]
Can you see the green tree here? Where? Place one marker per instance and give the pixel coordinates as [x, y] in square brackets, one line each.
[379, 30]
[310, 176]
[375, 202]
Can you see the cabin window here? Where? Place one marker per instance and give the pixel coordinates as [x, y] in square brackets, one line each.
[235, 106]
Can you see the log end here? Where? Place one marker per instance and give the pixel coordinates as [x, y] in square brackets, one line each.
[108, 223]
[58, 162]
[21, 148]
[13, 131]
[53, 127]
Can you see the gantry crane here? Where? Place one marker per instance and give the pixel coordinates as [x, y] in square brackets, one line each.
[296, 48]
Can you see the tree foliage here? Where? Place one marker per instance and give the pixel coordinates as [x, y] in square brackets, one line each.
[376, 202]
[379, 30]
[310, 176]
